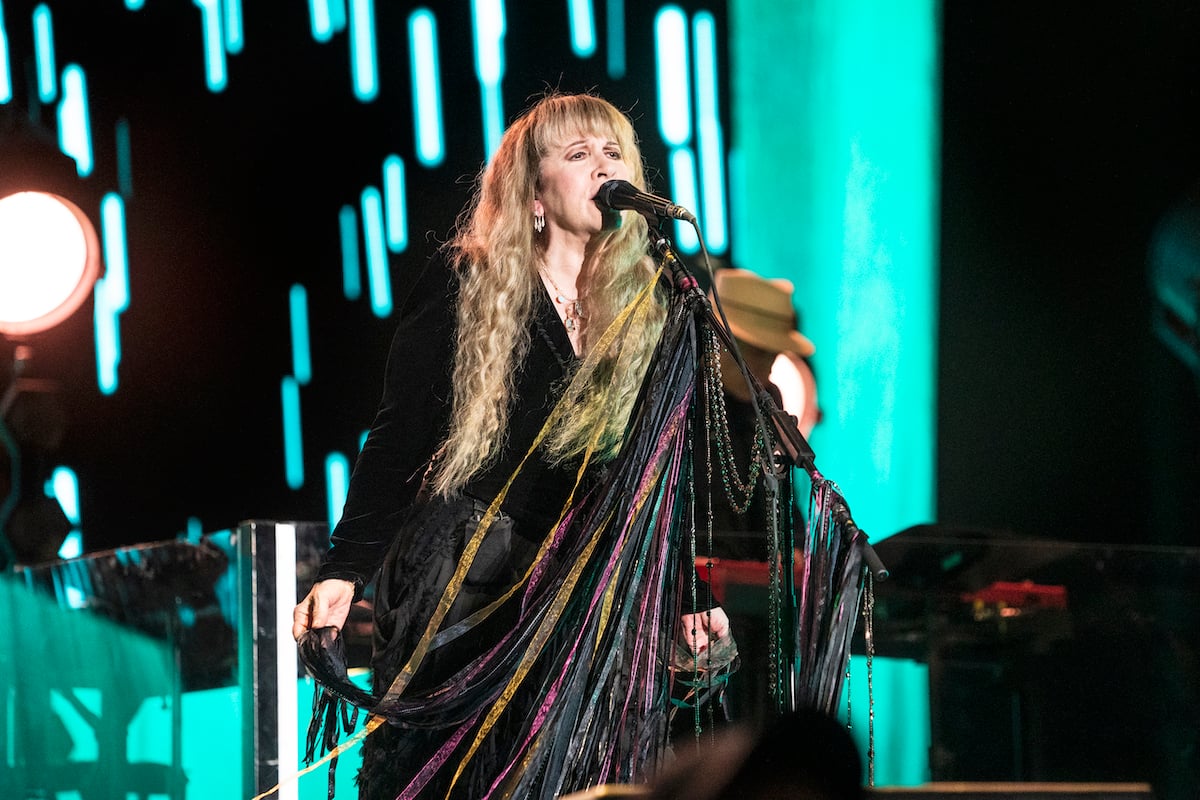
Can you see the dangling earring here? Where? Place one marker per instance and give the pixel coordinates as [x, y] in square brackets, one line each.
[539, 222]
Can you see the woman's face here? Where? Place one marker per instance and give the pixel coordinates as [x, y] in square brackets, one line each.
[569, 176]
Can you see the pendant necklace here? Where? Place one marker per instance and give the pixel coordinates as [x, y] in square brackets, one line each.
[573, 315]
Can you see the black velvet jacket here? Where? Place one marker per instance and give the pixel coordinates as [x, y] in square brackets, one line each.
[413, 418]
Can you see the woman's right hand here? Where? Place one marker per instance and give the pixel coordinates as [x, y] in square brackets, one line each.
[327, 604]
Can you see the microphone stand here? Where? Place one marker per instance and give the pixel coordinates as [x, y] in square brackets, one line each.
[795, 449]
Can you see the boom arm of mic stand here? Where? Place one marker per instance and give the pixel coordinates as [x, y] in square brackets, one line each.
[796, 448]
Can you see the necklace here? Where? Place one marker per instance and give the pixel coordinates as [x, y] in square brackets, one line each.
[572, 312]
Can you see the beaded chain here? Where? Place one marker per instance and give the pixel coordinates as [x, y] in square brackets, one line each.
[775, 661]
[708, 714]
[716, 418]
[740, 493]
[868, 613]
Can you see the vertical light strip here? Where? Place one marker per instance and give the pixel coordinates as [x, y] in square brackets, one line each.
[215, 74]
[337, 15]
[684, 192]
[301, 357]
[427, 88]
[395, 204]
[6, 85]
[63, 486]
[111, 293]
[233, 27]
[379, 282]
[320, 20]
[582, 20]
[287, 704]
[337, 482]
[351, 267]
[710, 140]
[364, 64]
[671, 56]
[493, 118]
[615, 20]
[108, 337]
[489, 31]
[124, 154]
[43, 46]
[293, 441]
[116, 252]
[74, 123]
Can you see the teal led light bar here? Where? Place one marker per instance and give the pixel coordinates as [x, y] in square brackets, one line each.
[351, 267]
[379, 282]
[124, 154]
[364, 62]
[6, 85]
[320, 17]
[488, 16]
[293, 437]
[215, 70]
[234, 35]
[675, 116]
[43, 48]
[301, 354]
[581, 17]
[111, 293]
[74, 125]
[63, 487]
[427, 87]
[395, 209]
[615, 22]
[674, 91]
[686, 193]
[710, 140]
[337, 482]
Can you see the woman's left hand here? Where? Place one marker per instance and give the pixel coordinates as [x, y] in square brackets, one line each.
[700, 630]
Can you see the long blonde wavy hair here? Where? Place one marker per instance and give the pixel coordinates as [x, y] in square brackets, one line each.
[497, 253]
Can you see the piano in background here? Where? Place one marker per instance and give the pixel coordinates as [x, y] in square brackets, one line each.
[1049, 660]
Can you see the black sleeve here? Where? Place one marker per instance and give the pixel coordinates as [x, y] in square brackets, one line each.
[410, 424]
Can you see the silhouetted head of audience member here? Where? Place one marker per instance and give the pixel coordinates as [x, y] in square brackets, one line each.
[804, 755]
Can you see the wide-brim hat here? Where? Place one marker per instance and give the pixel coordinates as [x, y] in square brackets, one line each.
[760, 311]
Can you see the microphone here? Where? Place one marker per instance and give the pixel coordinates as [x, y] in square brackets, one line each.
[619, 195]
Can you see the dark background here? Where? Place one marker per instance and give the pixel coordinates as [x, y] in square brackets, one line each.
[1068, 132]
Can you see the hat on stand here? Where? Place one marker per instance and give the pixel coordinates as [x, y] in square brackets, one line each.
[760, 311]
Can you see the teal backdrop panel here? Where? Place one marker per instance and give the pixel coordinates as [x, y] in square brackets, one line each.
[834, 176]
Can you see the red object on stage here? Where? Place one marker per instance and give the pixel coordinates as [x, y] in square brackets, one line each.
[726, 572]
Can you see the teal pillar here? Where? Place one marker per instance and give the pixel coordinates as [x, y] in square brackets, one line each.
[834, 186]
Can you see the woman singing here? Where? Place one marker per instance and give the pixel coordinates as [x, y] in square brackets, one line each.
[518, 638]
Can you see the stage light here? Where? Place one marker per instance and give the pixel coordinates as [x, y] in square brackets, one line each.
[49, 260]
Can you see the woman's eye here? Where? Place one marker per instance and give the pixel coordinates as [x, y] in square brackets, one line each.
[614, 154]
